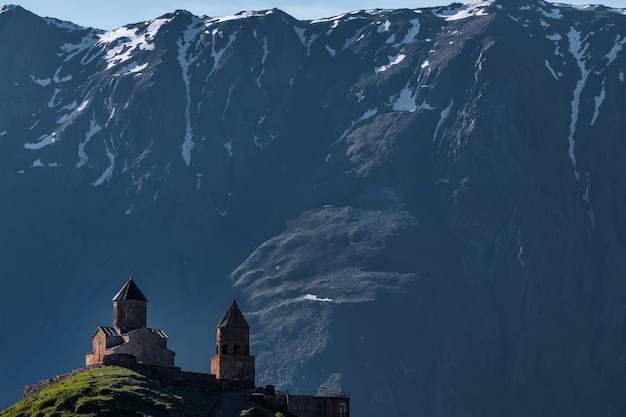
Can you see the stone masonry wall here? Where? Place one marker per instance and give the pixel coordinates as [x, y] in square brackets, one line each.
[168, 376]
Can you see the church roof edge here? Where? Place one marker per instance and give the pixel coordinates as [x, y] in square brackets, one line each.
[233, 318]
[130, 291]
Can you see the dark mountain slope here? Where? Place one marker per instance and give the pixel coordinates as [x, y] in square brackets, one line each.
[424, 207]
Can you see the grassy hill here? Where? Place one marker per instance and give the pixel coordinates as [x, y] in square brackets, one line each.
[111, 391]
[114, 391]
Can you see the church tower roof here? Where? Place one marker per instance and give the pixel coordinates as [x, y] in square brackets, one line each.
[130, 291]
[233, 318]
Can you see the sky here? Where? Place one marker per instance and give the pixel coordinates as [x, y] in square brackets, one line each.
[112, 14]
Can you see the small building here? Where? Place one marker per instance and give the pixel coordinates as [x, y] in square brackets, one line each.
[129, 334]
[330, 404]
[232, 360]
[318, 405]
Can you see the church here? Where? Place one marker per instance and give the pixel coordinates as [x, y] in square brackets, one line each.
[129, 334]
[130, 337]
[130, 343]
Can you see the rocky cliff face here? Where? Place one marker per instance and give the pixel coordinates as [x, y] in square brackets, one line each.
[423, 207]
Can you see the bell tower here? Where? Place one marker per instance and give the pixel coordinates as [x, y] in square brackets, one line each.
[232, 360]
[129, 308]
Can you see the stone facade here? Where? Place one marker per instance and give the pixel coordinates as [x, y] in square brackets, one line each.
[232, 360]
[146, 345]
[129, 334]
[330, 405]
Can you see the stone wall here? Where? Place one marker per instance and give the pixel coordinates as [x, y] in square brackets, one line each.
[33, 389]
[148, 346]
[234, 367]
[168, 376]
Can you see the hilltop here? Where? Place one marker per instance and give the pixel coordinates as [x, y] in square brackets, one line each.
[112, 391]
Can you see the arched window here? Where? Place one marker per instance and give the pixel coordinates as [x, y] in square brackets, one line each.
[224, 349]
[236, 350]
[247, 350]
[217, 350]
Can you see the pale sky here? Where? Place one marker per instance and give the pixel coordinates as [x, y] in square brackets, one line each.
[111, 14]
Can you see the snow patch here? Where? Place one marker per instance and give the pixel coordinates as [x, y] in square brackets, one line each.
[306, 41]
[266, 51]
[61, 24]
[217, 55]
[239, 16]
[442, 118]
[59, 80]
[227, 105]
[598, 100]
[86, 43]
[184, 44]
[82, 155]
[126, 40]
[577, 49]
[43, 83]
[108, 173]
[556, 77]
[229, 148]
[357, 37]
[413, 32]
[554, 37]
[553, 14]
[403, 101]
[383, 27]
[43, 141]
[393, 60]
[469, 9]
[617, 47]
[132, 68]
[52, 103]
[314, 297]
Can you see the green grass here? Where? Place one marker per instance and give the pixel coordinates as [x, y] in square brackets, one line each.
[109, 391]
[259, 412]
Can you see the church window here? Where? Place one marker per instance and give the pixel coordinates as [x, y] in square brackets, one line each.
[236, 350]
[224, 349]
[343, 409]
[247, 350]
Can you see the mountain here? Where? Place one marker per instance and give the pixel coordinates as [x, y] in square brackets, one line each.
[423, 207]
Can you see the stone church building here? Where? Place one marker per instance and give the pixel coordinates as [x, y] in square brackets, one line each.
[232, 360]
[131, 344]
[129, 334]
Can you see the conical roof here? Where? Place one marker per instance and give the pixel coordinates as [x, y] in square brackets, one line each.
[234, 318]
[130, 291]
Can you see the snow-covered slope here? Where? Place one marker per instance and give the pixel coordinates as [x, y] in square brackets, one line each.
[424, 207]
